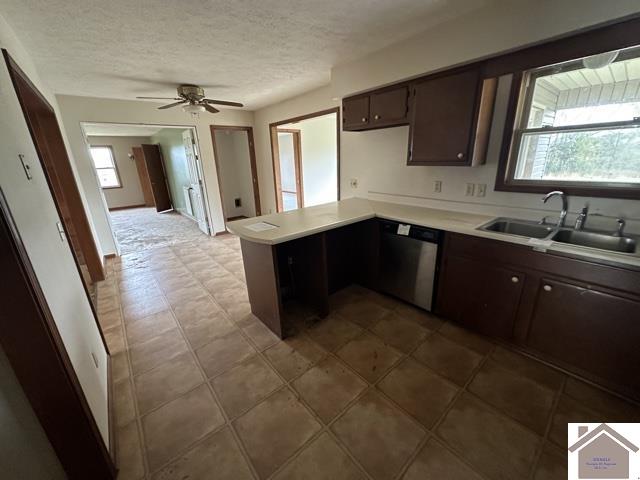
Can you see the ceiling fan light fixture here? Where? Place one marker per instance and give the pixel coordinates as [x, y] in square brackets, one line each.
[193, 109]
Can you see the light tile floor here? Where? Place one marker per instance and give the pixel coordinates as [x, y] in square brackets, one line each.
[378, 390]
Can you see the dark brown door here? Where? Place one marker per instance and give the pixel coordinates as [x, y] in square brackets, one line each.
[389, 107]
[153, 161]
[589, 329]
[443, 112]
[143, 174]
[355, 113]
[481, 296]
[47, 138]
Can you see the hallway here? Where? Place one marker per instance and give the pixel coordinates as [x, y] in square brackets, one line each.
[377, 390]
[138, 229]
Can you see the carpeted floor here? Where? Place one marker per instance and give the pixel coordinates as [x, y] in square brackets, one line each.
[138, 229]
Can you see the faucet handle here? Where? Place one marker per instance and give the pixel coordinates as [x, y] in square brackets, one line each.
[620, 229]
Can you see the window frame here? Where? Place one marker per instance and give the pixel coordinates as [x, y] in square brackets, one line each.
[519, 105]
[114, 168]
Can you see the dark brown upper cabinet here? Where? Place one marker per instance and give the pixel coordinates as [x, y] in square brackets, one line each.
[450, 119]
[355, 113]
[387, 107]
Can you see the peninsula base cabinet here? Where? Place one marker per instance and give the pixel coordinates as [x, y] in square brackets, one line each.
[578, 314]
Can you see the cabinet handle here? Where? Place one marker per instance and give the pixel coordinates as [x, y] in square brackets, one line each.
[547, 288]
[515, 279]
[364, 119]
[460, 155]
[376, 117]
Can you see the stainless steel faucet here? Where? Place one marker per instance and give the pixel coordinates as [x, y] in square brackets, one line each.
[563, 212]
[582, 217]
[620, 229]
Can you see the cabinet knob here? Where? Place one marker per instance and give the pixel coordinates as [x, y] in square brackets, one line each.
[376, 117]
[460, 155]
[364, 119]
[515, 279]
[547, 288]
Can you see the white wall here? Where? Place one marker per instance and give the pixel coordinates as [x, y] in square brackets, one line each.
[34, 212]
[26, 453]
[235, 172]
[377, 159]
[130, 194]
[102, 110]
[318, 139]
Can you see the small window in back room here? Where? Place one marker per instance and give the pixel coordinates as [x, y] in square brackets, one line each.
[577, 124]
[105, 166]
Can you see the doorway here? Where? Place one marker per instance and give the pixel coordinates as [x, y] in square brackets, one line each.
[152, 181]
[235, 157]
[305, 153]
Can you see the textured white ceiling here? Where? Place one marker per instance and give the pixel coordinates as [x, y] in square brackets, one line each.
[253, 51]
[120, 130]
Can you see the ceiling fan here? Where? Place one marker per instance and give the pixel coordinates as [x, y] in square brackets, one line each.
[191, 97]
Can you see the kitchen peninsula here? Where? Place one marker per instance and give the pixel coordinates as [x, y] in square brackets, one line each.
[512, 288]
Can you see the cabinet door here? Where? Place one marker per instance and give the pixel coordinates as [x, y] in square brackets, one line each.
[389, 107]
[355, 113]
[443, 119]
[589, 329]
[480, 296]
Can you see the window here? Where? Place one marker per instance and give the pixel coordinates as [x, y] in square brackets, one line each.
[105, 166]
[577, 125]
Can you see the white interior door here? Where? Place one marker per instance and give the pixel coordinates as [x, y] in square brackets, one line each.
[195, 174]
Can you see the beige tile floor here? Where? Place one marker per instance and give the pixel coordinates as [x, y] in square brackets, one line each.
[378, 390]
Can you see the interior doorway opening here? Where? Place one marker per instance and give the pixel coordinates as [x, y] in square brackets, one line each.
[152, 182]
[306, 160]
[235, 158]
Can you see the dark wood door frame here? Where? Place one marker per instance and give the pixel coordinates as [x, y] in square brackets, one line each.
[297, 165]
[34, 347]
[252, 161]
[49, 143]
[273, 135]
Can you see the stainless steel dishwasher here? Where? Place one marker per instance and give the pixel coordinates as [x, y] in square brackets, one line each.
[408, 262]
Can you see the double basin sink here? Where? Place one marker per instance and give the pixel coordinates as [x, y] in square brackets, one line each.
[584, 238]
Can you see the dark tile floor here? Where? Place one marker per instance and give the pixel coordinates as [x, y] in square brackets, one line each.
[378, 390]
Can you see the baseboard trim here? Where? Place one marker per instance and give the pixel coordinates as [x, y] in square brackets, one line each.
[126, 207]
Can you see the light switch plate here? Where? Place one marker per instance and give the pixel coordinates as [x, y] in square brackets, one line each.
[469, 190]
[481, 190]
[354, 183]
[437, 186]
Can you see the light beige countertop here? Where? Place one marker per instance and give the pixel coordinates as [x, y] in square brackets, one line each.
[307, 221]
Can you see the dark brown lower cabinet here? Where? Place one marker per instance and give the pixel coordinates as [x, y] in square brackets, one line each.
[581, 315]
[480, 296]
[591, 329]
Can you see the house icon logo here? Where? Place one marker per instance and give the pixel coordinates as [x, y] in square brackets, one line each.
[602, 452]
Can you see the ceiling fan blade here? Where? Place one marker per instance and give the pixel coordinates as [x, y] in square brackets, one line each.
[159, 98]
[172, 105]
[222, 102]
[210, 109]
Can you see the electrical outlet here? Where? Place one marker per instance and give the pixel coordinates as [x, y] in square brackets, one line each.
[437, 186]
[470, 189]
[481, 191]
[354, 183]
